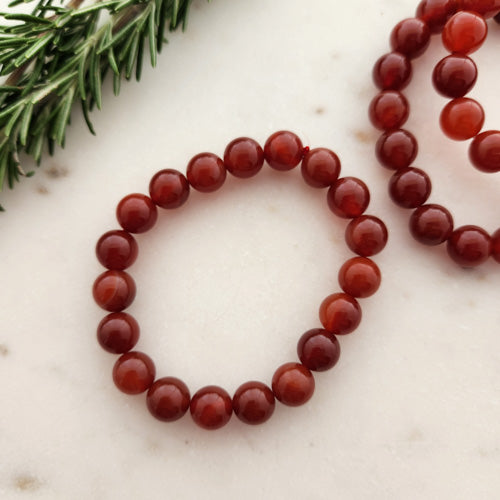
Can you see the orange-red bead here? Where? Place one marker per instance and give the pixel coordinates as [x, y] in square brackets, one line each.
[469, 246]
[134, 372]
[366, 235]
[410, 187]
[320, 167]
[283, 150]
[487, 8]
[495, 245]
[318, 349]
[359, 277]
[169, 189]
[116, 250]
[454, 76]
[431, 224]
[293, 384]
[389, 110]
[340, 313]
[436, 12]
[211, 407]
[411, 37]
[243, 157]
[206, 172]
[464, 32]
[396, 149]
[114, 290]
[348, 197]
[118, 332]
[484, 151]
[253, 403]
[462, 118]
[168, 399]
[392, 71]
[136, 213]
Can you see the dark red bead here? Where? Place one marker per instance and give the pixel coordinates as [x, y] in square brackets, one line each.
[253, 403]
[411, 37]
[118, 332]
[366, 235]
[431, 224]
[484, 151]
[116, 250]
[293, 384]
[436, 12]
[464, 32]
[389, 110]
[211, 407]
[136, 213]
[469, 246]
[454, 76]
[396, 149]
[114, 290]
[359, 277]
[318, 349]
[134, 372]
[487, 8]
[392, 71]
[462, 118]
[348, 197]
[495, 245]
[340, 313]
[410, 187]
[206, 172]
[169, 188]
[243, 157]
[283, 150]
[320, 167]
[168, 399]
[497, 18]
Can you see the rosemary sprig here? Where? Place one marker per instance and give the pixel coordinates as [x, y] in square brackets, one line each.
[57, 55]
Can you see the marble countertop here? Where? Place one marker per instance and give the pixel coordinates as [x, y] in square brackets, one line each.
[228, 284]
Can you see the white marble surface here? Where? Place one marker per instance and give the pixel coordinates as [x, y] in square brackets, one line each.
[228, 284]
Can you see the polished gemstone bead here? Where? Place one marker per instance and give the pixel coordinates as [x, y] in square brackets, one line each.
[293, 384]
[116, 250]
[436, 12]
[318, 349]
[484, 151]
[340, 313]
[454, 76]
[253, 403]
[136, 213]
[243, 157]
[431, 224]
[283, 150]
[168, 399]
[497, 18]
[464, 32]
[411, 37]
[392, 71]
[487, 8]
[462, 118]
[359, 277]
[114, 290]
[206, 172]
[320, 167]
[396, 149]
[469, 246]
[410, 187]
[348, 197]
[134, 372]
[495, 245]
[366, 235]
[389, 110]
[118, 332]
[169, 188]
[211, 407]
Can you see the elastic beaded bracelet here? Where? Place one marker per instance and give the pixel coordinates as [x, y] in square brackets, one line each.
[397, 148]
[211, 407]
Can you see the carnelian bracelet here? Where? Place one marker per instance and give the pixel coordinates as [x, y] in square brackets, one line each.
[211, 407]
[463, 27]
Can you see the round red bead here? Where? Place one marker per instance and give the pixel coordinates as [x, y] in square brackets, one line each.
[134, 372]
[431, 224]
[389, 110]
[462, 118]
[392, 71]
[116, 250]
[168, 399]
[411, 37]
[410, 187]
[366, 235]
[487, 8]
[464, 32]
[136, 213]
[283, 150]
[114, 290]
[318, 349]
[495, 245]
[396, 149]
[359, 277]
[118, 333]
[484, 151]
[348, 197]
[320, 167]
[293, 384]
[436, 12]
[169, 189]
[211, 407]
[253, 403]
[454, 76]
[469, 246]
[340, 313]
[243, 157]
[206, 172]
